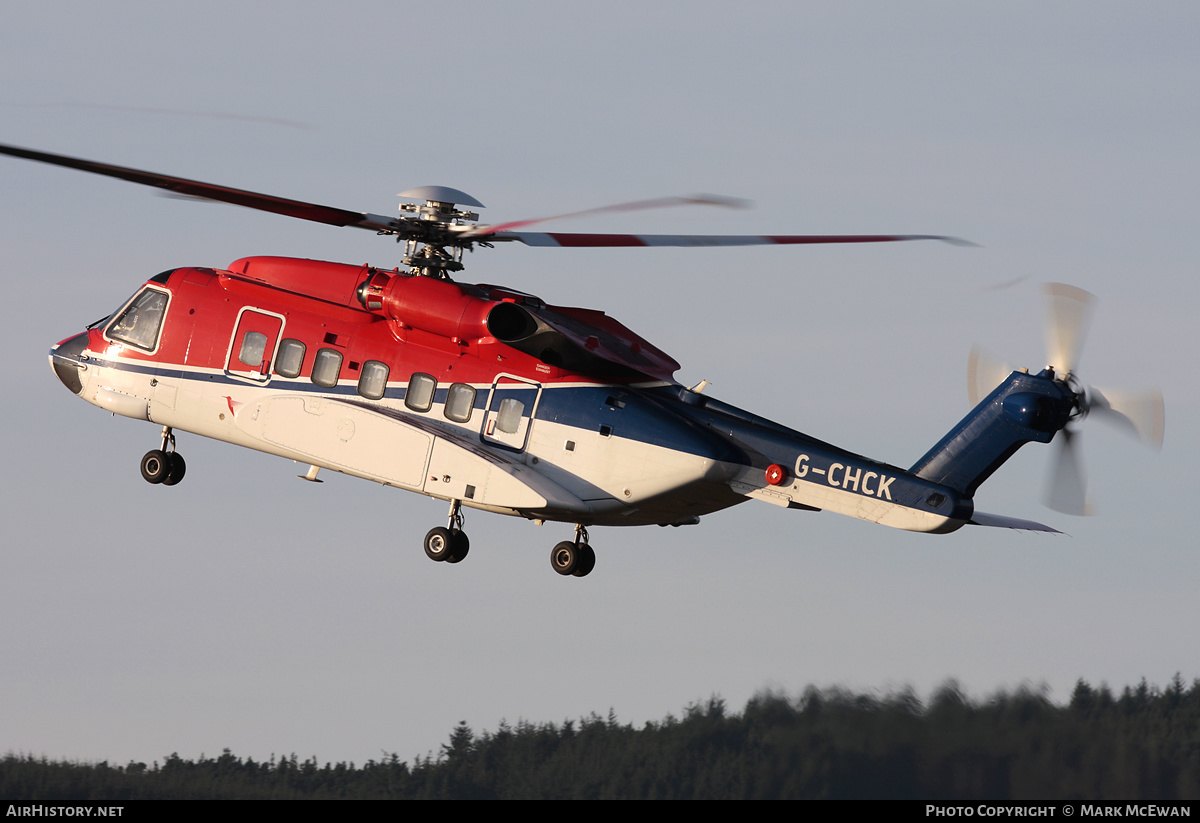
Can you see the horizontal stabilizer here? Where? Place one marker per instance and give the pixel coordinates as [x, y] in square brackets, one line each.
[1002, 522]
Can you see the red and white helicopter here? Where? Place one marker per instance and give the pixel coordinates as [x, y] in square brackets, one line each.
[489, 398]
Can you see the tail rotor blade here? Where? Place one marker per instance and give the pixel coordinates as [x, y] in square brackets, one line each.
[1068, 310]
[1138, 413]
[984, 373]
[1067, 492]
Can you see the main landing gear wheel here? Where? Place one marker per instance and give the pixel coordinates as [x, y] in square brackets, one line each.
[442, 544]
[586, 561]
[564, 558]
[574, 559]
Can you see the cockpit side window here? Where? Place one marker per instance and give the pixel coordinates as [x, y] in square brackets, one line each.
[141, 322]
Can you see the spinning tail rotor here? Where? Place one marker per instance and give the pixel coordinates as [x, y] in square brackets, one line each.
[1068, 312]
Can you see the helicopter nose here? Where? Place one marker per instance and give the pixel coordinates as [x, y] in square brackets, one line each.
[66, 362]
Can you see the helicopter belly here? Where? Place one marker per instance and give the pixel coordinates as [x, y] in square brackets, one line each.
[380, 444]
[340, 436]
[460, 469]
[626, 480]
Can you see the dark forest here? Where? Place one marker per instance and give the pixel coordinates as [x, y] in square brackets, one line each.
[1141, 743]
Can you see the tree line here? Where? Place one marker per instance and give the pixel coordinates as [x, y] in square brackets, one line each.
[824, 743]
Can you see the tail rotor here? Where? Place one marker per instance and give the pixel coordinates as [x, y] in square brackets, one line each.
[1068, 315]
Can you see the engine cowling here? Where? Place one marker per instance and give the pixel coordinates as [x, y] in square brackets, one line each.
[444, 308]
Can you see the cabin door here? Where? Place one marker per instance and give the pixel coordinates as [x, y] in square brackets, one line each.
[511, 406]
[252, 347]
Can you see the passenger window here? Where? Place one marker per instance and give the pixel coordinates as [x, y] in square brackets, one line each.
[326, 366]
[254, 345]
[460, 402]
[420, 392]
[290, 359]
[372, 382]
[141, 322]
[508, 417]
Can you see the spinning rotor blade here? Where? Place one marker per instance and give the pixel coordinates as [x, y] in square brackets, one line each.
[984, 373]
[1067, 492]
[637, 205]
[1068, 310]
[701, 240]
[1140, 414]
[210, 191]
[438, 226]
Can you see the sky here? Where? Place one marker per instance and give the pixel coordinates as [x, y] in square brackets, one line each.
[245, 609]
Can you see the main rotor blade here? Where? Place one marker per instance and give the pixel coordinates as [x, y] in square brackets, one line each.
[1067, 492]
[210, 191]
[636, 205]
[984, 374]
[706, 240]
[1068, 310]
[1138, 413]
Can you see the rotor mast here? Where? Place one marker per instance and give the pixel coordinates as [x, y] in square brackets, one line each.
[436, 248]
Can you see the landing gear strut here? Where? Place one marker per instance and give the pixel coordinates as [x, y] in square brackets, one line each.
[164, 465]
[576, 559]
[449, 543]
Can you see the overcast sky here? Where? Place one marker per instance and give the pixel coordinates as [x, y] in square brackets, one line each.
[246, 609]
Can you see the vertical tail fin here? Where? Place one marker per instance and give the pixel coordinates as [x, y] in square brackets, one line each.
[1024, 408]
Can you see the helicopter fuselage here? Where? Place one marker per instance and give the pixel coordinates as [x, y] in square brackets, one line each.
[472, 394]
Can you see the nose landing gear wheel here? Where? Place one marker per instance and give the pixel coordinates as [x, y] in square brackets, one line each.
[164, 465]
[156, 466]
[175, 469]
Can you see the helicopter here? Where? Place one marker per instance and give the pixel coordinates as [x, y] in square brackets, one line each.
[489, 398]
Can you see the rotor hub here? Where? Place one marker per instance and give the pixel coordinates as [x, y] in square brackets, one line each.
[437, 227]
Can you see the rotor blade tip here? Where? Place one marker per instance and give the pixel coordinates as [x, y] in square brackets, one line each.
[720, 200]
[958, 241]
[1068, 291]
